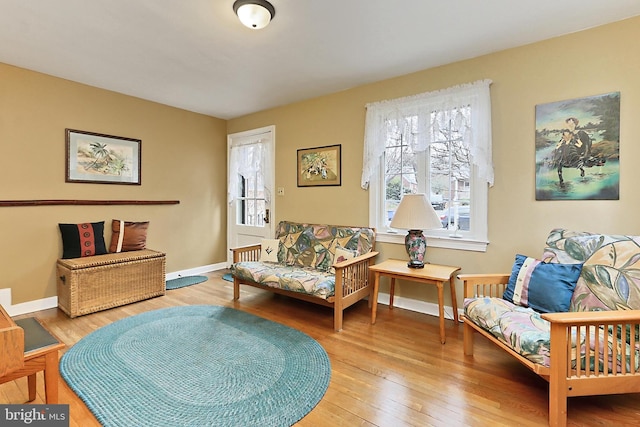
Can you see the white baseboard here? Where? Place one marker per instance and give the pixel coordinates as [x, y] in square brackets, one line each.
[5, 297]
[197, 270]
[31, 306]
[52, 302]
[417, 305]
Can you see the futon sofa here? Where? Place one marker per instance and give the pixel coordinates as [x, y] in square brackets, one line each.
[583, 336]
[320, 263]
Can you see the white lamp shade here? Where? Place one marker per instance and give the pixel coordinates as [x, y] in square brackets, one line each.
[415, 213]
[254, 16]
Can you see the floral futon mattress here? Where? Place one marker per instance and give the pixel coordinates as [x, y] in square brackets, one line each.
[608, 281]
[522, 329]
[305, 257]
[306, 280]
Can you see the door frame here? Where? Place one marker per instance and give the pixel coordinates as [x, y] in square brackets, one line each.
[268, 230]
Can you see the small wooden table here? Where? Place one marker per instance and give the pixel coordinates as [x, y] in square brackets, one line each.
[431, 274]
[27, 347]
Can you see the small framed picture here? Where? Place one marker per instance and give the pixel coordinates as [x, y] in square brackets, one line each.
[102, 159]
[320, 166]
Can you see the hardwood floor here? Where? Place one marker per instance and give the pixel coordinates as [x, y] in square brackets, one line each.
[393, 373]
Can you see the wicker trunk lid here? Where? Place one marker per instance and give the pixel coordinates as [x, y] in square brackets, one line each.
[89, 284]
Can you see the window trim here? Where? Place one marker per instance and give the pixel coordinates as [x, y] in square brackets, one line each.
[462, 243]
[435, 238]
[481, 165]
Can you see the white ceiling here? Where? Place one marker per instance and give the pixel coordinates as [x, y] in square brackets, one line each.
[195, 54]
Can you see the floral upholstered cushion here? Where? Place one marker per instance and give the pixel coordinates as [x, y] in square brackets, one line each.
[305, 280]
[306, 254]
[521, 328]
[528, 334]
[314, 245]
[555, 250]
[609, 279]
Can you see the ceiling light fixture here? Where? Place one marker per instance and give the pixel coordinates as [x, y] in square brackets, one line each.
[254, 14]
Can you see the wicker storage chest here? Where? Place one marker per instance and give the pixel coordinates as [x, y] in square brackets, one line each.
[94, 283]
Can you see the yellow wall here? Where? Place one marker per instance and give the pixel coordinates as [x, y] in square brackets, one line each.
[591, 62]
[183, 158]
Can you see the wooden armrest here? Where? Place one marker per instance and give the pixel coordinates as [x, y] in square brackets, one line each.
[485, 285]
[355, 260]
[353, 277]
[593, 317]
[246, 253]
[485, 278]
[11, 344]
[610, 334]
[246, 248]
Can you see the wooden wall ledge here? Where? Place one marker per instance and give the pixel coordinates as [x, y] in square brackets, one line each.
[85, 202]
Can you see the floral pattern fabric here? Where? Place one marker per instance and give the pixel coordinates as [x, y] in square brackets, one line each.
[610, 277]
[314, 245]
[305, 255]
[609, 280]
[528, 334]
[305, 280]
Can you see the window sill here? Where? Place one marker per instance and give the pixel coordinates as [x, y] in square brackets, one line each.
[462, 244]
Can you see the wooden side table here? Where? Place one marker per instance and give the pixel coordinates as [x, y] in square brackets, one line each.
[431, 274]
[38, 351]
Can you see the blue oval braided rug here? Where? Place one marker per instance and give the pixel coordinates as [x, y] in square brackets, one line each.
[197, 366]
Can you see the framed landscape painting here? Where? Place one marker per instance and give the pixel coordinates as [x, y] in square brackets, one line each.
[103, 159]
[578, 149]
[320, 166]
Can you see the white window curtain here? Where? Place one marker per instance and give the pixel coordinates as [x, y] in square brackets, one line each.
[476, 130]
[248, 157]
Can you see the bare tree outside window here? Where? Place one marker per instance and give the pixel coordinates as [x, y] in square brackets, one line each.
[437, 143]
[251, 202]
[443, 172]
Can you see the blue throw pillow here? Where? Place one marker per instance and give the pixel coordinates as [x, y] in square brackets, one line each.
[545, 287]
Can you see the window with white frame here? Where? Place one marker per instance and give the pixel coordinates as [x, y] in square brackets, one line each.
[439, 144]
[251, 203]
[247, 188]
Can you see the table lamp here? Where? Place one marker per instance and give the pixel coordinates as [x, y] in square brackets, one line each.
[415, 214]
